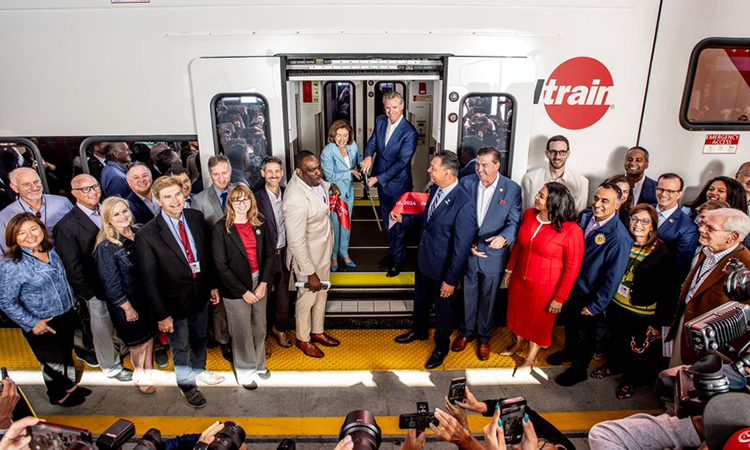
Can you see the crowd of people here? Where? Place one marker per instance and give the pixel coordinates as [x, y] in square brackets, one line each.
[140, 263]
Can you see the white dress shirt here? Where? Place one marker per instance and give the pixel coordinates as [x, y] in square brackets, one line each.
[391, 128]
[484, 198]
[534, 179]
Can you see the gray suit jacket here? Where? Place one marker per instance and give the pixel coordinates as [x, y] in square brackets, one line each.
[208, 203]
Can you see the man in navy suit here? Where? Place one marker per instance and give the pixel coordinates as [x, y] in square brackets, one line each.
[443, 250]
[497, 203]
[395, 141]
[644, 188]
[142, 204]
[605, 259]
[676, 228]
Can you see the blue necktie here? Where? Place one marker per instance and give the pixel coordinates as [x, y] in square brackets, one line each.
[223, 202]
[434, 203]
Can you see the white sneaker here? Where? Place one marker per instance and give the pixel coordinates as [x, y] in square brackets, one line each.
[209, 378]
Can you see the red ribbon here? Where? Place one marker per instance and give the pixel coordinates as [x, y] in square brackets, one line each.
[412, 203]
[339, 206]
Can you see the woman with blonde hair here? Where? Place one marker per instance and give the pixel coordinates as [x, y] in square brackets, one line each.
[115, 260]
[243, 255]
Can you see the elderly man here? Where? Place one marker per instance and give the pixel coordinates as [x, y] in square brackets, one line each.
[644, 188]
[394, 140]
[114, 179]
[173, 258]
[721, 234]
[31, 198]
[558, 152]
[142, 204]
[743, 176]
[606, 252]
[75, 237]
[309, 237]
[675, 227]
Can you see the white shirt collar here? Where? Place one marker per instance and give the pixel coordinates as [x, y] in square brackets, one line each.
[668, 212]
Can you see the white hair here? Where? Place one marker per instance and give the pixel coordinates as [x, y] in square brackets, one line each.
[13, 175]
[734, 220]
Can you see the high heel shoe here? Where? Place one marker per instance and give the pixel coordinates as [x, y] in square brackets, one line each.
[525, 368]
[512, 350]
[334, 266]
[350, 264]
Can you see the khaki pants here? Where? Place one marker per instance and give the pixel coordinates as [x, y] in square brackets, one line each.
[310, 309]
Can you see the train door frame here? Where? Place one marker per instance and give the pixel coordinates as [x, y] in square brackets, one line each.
[36, 154]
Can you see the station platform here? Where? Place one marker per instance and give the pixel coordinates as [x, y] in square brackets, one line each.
[306, 399]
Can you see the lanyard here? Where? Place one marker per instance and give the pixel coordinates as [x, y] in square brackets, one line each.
[37, 214]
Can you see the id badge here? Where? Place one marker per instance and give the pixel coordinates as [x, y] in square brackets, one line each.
[623, 290]
[195, 267]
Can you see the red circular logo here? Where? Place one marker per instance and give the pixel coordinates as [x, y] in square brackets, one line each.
[577, 93]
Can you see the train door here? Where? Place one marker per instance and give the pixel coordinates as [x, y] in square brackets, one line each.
[238, 105]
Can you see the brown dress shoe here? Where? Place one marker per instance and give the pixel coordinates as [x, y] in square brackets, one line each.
[483, 352]
[282, 337]
[460, 344]
[309, 349]
[324, 339]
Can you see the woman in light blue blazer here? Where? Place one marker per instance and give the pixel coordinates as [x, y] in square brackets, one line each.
[339, 160]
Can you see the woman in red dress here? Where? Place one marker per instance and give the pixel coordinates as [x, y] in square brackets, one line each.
[542, 269]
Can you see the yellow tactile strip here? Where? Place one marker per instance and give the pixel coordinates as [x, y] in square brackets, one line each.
[359, 350]
[353, 279]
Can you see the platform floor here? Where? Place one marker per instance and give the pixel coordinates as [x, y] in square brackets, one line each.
[307, 398]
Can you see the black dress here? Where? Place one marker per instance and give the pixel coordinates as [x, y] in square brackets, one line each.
[116, 265]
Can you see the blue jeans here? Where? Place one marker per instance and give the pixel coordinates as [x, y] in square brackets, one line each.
[340, 234]
[188, 344]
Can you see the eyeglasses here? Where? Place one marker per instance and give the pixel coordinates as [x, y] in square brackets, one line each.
[240, 201]
[558, 152]
[667, 191]
[87, 189]
[703, 224]
[634, 220]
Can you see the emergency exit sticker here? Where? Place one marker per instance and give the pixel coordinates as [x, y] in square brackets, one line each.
[721, 143]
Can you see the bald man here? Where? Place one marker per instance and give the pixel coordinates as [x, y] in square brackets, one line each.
[75, 238]
[31, 199]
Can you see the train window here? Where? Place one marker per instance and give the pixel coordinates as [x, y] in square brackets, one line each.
[487, 121]
[339, 102]
[381, 88]
[717, 93]
[242, 134]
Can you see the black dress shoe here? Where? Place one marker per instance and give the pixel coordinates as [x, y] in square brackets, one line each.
[409, 337]
[435, 361]
[251, 387]
[88, 358]
[393, 271]
[226, 352]
[571, 377]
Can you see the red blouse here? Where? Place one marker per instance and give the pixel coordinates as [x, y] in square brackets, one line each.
[247, 235]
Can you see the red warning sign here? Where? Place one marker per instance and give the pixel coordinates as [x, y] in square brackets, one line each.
[721, 143]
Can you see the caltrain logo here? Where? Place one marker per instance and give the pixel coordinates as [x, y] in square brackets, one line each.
[577, 93]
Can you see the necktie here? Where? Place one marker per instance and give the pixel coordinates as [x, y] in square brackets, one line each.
[434, 204]
[661, 219]
[223, 202]
[186, 245]
[388, 133]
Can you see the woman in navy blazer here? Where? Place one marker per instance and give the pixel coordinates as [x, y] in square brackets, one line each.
[339, 160]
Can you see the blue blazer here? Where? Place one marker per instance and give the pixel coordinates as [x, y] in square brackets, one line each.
[648, 192]
[502, 219]
[680, 234]
[337, 170]
[141, 213]
[446, 239]
[393, 163]
[604, 264]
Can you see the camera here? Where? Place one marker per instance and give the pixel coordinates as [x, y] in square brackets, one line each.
[45, 436]
[420, 420]
[360, 424]
[231, 437]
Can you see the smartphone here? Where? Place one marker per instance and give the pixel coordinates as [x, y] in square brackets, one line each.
[50, 436]
[457, 390]
[512, 412]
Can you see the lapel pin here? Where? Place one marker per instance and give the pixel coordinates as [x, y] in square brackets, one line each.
[502, 202]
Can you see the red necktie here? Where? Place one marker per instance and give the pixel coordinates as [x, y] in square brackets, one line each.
[186, 246]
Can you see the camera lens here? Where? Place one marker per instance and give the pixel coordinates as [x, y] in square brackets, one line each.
[360, 424]
[737, 286]
[231, 437]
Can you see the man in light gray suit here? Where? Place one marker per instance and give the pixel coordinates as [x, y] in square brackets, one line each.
[212, 202]
[498, 213]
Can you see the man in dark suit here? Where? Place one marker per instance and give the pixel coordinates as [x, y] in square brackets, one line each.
[497, 201]
[644, 188]
[75, 238]
[142, 204]
[675, 228]
[443, 250]
[395, 141]
[212, 202]
[269, 198]
[174, 262]
[605, 258]
[97, 161]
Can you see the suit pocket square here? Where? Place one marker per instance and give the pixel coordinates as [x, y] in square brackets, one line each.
[502, 202]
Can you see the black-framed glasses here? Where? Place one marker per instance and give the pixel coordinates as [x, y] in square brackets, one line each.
[667, 191]
[558, 152]
[240, 201]
[87, 189]
[635, 220]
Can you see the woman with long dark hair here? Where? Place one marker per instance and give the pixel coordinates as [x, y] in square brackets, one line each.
[724, 189]
[36, 296]
[542, 268]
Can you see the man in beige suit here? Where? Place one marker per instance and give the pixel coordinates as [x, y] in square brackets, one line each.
[309, 238]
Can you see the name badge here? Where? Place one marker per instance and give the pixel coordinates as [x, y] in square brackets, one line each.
[623, 290]
[195, 267]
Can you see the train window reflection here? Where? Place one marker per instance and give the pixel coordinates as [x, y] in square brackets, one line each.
[339, 102]
[487, 121]
[719, 89]
[242, 134]
[381, 88]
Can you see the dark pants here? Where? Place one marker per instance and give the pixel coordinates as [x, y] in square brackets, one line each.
[397, 233]
[580, 335]
[480, 292]
[427, 292]
[188, 343]
[278, 306]
[55, 353]
[637, 368]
